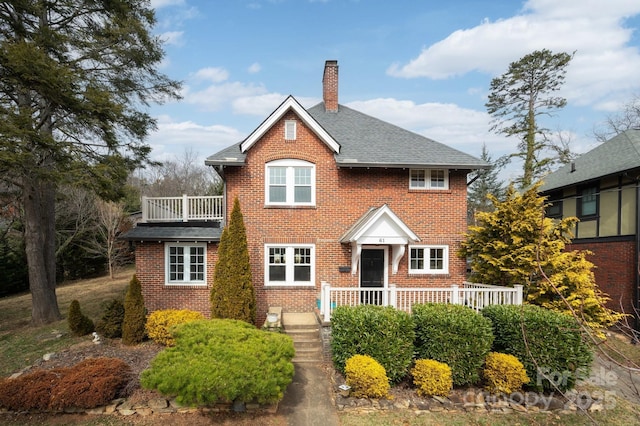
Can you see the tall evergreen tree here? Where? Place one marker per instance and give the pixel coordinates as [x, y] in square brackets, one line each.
[516, 244]
[232, 293]
[75, 78]
[486, 182]
[134, 314]
[519, 97]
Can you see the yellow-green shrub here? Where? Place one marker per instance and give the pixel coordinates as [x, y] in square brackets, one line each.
[504, 373]
[159, 323]
[432, 377]
[367, 377]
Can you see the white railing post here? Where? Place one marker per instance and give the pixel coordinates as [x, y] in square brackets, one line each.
[185, 208]
[518, 296]
[393, 296]
[325, 300]
[455, 299]
[145, 209]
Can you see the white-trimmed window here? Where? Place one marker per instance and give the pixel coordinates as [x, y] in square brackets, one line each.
[289, 264]
[290, 130]
[185, 263]
[429, 260]
[429, 179]
[290, 183]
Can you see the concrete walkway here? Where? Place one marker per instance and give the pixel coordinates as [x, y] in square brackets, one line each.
[307, 401]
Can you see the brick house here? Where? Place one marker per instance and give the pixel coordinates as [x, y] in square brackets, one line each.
[331, 197]
[601, 189]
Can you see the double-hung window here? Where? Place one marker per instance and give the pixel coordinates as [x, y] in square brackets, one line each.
[185, 264]
[429, 260]
[290, 183]
[429, 179]
[289, 264]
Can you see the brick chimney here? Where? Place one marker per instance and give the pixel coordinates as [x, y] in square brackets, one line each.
[330, 86]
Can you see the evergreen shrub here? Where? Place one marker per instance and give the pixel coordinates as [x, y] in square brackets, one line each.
[79, 324]
[455, 335]
[217, 360]
[504, 373]
[159, 323]
[549, 344]
[110, 325]
[367, 377]
[134, 314]
[91, 383]
[432, 378]
[383, 333]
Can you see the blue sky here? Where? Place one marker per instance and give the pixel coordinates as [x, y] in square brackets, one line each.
[423, 65]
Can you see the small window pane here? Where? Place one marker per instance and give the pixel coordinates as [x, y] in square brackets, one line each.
[277, 273]
[290, 130]
[277, 194]
[176, 263]
[302, 273]
[277, 176]
[197, 264]
[437, 178]
[418, 179]
[589, 201]
[417, 258]
[302, 194]
[436, 258]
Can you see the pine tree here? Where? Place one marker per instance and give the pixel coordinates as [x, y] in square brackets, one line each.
[232, 293]
[79, 323]
[519, 97]
[486, 183]
[134, 314]
[516, 244]
[76, 78]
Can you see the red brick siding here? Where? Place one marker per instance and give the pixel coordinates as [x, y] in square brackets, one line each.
[150, 270]
[615, 270]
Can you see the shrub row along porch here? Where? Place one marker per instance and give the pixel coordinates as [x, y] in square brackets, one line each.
[473, 295]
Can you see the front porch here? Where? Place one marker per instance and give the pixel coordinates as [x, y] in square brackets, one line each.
[476, 296]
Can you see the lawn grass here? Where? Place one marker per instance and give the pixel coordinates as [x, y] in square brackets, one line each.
[21, 345]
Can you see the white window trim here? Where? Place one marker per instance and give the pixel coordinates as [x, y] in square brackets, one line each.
[187, 274]
[290, 181]
[290, 130]
[427, 263]
[428, 186]
[289, 266]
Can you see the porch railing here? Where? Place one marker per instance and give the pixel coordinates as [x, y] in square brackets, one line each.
[182, 209]
[475, 296]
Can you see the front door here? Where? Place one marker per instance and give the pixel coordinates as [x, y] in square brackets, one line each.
[372, 275]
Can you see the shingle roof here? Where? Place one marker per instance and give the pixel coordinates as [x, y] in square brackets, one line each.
[184, 233]
[617, 155]
[366, 141]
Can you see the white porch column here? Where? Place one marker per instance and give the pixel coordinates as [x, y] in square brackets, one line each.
[393, 296]
[185, 208]
[325, 300]
[518, 295]
[455, 300]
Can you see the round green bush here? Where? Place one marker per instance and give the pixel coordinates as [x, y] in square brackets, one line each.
[383, 333]
[79, 324]
[455, 335]
[549, 344]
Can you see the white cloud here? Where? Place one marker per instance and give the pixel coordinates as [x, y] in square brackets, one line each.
[172, 138]
[215, 97]
[174, 38]
[604, 65]
[254, 68]
[213, 74]
[157, 4]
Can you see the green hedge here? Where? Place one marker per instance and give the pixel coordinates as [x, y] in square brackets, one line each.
[222, 361]
[455, 335]
[547, 343]
[383, 333]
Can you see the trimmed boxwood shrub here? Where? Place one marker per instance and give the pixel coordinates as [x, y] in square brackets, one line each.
[79, 323]
[455, 335]
[366, 377]
[110, 325]
[159, 323]
[220, 360]
[383, 333]
[548, 343]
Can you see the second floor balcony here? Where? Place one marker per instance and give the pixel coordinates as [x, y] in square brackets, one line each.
[183, 209]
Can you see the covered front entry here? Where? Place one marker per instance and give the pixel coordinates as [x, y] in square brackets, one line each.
[373, 274]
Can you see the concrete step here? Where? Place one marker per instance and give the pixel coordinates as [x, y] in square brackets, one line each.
[304, 329]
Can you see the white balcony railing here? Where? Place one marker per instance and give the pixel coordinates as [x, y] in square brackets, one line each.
[475, 296]
[182, 209]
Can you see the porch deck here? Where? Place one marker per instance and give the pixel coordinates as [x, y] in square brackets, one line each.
[183, 209]
[473, 295]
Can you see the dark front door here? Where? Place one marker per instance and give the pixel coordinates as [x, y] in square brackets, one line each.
[371, 276]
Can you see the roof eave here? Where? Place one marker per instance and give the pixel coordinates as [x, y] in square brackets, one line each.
[354, 164]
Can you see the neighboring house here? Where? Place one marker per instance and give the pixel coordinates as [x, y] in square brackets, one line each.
[601, 189]
[331, 197]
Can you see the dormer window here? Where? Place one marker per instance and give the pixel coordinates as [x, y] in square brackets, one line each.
[429, 179]
[290, 130]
